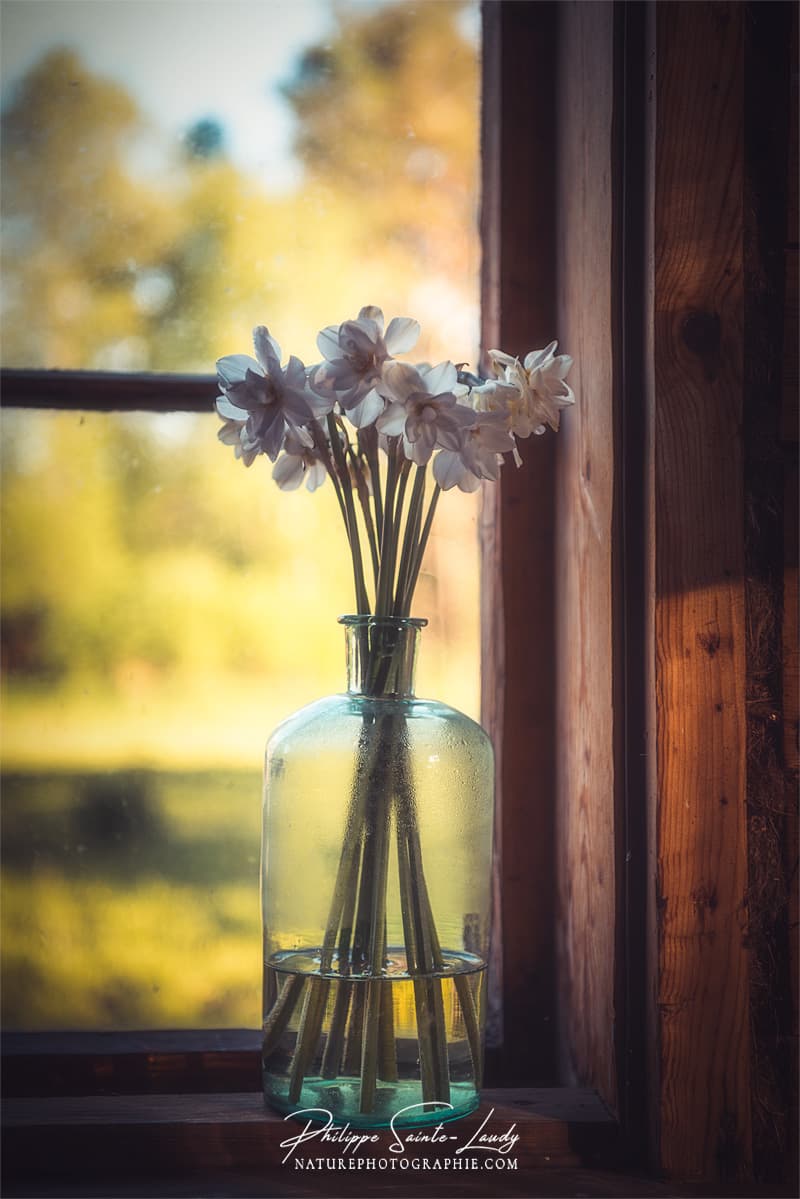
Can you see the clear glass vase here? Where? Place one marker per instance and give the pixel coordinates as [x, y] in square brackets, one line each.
[376, 867]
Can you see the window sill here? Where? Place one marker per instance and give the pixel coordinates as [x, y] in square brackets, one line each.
[86, 1108]
[180, 1114]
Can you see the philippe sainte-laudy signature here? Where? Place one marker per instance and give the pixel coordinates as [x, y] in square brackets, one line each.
[352, 1140]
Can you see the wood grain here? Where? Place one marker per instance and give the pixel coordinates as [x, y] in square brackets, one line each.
[199, 1133]
[517, 537]
[584, 514]
[702, 981]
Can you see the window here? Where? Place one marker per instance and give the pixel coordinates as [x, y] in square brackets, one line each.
[161, 606]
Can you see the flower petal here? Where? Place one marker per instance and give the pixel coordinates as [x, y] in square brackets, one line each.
[402, 335]
[272, 438]
[316, 475]
[393, 421]
[328, 343]
[268, 352]
[371, 313]
[448, 469]
[229, 411]
[441, 378]
[468, 482]
[367, 410]
[538, 357]
[399, 381]
[288, 472]
[233, 368]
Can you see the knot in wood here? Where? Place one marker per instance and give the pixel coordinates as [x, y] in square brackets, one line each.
[701, 332]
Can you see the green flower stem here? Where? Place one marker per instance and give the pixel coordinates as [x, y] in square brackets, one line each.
[322, 447]
[363, 499]
[281, 1012]
[434, 1065]
[387, 533]
[392, 520]
[370, 444]
[316, 996]
[387, 1050]
[332, 1058]
[461, 981]
[355, 1032]
[374, 882]
[362, 601]
[472, 1026]
[419, 553]
[413, 523]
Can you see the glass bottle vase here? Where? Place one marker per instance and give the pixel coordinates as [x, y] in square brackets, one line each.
[376, 867]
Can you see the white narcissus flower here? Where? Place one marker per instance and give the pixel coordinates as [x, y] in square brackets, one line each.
[423, 408]
[479, 457]
[532, 392]
[270, 399]
[296, 463]
[355, 353]
[233, 433]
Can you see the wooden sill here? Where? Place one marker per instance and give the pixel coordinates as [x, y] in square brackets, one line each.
[158, 1114]
[84, 1108]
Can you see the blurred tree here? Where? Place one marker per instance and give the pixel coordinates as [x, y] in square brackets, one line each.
[124, 540]
[205, 139]
[387, 117]
[80, 229]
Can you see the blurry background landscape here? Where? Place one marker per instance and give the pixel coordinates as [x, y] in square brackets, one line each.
[162, 607]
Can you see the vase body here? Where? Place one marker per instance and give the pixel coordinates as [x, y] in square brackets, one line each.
[376, 884]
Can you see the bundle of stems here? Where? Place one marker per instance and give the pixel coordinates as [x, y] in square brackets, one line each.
[382, 817]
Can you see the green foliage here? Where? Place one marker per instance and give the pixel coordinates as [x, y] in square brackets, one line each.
[130, 900]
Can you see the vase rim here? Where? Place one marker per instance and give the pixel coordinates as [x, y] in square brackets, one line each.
[397, 622]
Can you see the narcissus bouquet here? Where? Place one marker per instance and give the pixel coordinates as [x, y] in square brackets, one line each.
[391, 437]
[369, 422]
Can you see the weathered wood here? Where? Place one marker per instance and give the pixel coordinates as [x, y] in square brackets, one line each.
[90, 1136]
[123, 1063]
[107, 391]
[701, 988]
[517, 535]
[584, 516]
[765, 140]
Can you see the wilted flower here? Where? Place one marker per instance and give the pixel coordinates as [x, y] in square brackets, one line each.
[270, 399]
[423, 408]
[355, 353]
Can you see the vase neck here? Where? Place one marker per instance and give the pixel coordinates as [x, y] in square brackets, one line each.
[381, 655]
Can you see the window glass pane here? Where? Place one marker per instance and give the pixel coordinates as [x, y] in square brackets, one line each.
[175, 173]
[162, 607]
[157, 622]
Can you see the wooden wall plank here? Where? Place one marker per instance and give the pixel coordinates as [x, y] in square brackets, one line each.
[584, 514]
[517, 537]
[702, 958]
